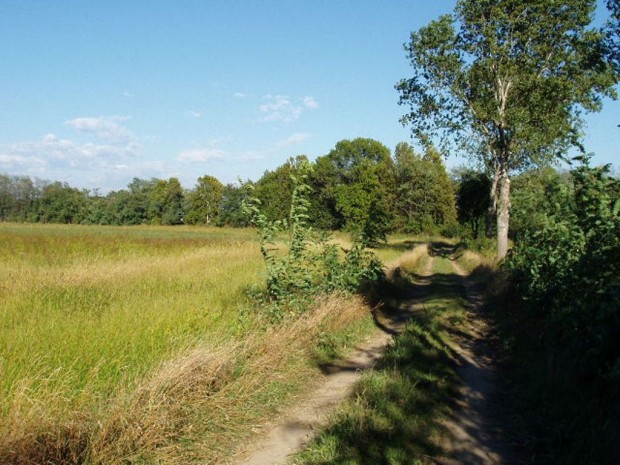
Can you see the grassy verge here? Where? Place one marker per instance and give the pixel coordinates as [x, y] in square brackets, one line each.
[394, 415]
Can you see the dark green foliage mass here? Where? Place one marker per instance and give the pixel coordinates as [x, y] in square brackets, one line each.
[356, 180]
[473, 200]
[566, 267]
[60, 203]
[275, 188]
[424, 200]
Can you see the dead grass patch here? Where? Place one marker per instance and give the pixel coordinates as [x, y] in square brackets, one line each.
[198, 406]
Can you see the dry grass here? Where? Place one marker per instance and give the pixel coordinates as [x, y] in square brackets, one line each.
[117, 349]
[407, 261]
[486, 271]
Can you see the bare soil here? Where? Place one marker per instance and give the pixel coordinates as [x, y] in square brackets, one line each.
[478, 430]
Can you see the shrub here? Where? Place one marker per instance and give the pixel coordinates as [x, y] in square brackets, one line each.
[301, 262]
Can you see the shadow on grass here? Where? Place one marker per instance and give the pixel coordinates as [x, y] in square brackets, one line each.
[394, 414]
[446, 250]
[403, 246]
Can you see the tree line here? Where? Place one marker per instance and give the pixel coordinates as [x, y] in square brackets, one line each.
[358, 187]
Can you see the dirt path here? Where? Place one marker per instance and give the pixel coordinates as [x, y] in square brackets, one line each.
[296, 427]
[290, 433]
[476, 432]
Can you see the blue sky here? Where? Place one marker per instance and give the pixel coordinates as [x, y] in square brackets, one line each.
[96, 93]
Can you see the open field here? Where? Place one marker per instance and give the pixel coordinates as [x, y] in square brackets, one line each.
[127, 345]
[101, 306]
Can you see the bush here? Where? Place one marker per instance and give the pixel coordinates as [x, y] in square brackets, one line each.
[307, 263]
[567, 270]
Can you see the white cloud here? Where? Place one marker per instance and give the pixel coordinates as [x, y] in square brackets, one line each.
[104, 127]
[282, 108]
[294, 139]
[201, 155]
[128, 94]
[195, 114]
[239, 95]
[51, 153]
[310, 102]
[279, 108]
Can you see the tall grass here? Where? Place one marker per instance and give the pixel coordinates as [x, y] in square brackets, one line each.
[88, 312]
[126, 345]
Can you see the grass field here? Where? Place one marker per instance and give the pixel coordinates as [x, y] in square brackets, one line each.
[126, 345]
[101, 306]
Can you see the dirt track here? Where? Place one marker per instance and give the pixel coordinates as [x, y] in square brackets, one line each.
[477, 432]
[474, 432]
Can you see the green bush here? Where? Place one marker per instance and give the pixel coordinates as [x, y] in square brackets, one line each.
[566, 267]
[302, 263]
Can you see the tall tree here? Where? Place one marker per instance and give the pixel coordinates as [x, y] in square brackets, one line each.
[60, 203]
[275, 188]
[166, 202]
[505, 81]
[203, 203]
[425, 199]
[231, 209]
[357, 179]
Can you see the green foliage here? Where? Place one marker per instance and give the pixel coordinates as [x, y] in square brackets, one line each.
[203, 203]
[566, 266]
[472, 200]
[355, 185]
[275, 188]
[424, 200]
[60, 203]
[505, 81]
[166, 202]
[305, 263]
[537, 195]
[231, 209]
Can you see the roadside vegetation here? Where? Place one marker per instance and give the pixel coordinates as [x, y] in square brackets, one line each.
[564, 326]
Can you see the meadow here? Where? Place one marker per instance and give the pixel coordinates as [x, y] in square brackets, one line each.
[100, 306]
[139, 344]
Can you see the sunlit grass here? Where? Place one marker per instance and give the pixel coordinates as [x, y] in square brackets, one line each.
[100, 306]
[126, 345]
[395, 413]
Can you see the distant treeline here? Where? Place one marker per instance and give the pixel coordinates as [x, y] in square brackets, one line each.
[357, 186]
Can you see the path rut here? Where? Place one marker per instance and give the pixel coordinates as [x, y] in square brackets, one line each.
[477, 434]
[297, 426]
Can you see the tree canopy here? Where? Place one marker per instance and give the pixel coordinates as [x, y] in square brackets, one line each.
[505, 81]
[357, 179]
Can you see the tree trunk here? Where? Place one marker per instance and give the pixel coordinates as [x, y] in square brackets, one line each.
[492, 210]
[503, 214]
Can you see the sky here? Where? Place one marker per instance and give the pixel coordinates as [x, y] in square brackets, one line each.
[96, 93]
